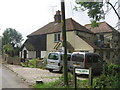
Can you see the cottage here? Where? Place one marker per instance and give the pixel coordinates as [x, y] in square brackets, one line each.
[108, 41]
[34, 47]
[79, 38]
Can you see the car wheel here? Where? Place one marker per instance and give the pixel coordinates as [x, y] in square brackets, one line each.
[61, 70]
[50, 70]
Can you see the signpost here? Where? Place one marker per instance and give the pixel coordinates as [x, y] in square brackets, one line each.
[82, 71]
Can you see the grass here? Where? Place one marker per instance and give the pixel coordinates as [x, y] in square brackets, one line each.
[60, 83]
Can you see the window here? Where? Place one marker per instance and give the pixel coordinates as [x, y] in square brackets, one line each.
[53, 56]
[84, 51]
[78, 57]
[56, 37]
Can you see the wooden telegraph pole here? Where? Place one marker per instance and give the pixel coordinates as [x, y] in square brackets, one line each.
[64, 48]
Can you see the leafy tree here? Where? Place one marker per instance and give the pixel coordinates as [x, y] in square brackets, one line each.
[11, 36]
[8, 49]
[95, 10]
[11, 42]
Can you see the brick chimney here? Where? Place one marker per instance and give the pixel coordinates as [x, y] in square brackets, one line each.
[57, 17]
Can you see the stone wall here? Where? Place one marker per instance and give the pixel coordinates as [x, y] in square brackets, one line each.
[13, 60]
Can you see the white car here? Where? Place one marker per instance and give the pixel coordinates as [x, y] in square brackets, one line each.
[55, 61]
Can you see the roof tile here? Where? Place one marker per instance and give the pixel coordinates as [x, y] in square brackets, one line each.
[53, 27]
[102, 28]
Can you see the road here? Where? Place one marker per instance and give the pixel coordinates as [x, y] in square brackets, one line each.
[11, 80]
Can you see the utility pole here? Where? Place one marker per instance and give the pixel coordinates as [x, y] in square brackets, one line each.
[63, 24]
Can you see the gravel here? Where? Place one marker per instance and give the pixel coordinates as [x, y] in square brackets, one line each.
[31, 75]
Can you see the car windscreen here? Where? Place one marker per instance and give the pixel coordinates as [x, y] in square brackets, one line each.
[68, 57]
[53, 56]
[78, 57]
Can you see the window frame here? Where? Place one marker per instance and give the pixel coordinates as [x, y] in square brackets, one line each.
[56, 37]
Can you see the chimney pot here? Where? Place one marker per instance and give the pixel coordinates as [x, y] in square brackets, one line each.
[57, 17]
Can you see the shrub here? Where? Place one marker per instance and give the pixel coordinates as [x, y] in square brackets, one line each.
[23, 64]
[113, 69]
[110, 79]
[32, 63]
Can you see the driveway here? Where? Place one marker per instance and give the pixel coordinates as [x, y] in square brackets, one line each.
[30, 75]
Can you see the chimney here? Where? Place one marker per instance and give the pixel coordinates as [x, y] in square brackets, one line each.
[57, 17]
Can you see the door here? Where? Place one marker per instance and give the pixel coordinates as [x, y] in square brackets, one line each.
[25, 54]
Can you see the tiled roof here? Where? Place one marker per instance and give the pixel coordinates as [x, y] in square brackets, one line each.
[53, 27]
[102, 28]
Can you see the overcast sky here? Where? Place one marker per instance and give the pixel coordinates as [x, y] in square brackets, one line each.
[26, 16]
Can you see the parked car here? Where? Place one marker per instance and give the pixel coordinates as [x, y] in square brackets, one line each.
[55, 61]
[86, 60]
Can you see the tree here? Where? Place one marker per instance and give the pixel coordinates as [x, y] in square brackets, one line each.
[95, 10]
[11, 42]
[11, 36]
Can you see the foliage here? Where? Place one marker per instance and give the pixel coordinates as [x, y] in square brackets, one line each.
[11, 41]
[110, 79]
[112, 70]
[94, 10]
[23, 64]
[11, 36]
[8, 49]
[41, 63]
[32, 63]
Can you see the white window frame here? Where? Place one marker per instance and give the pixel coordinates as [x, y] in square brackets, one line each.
[56, 37]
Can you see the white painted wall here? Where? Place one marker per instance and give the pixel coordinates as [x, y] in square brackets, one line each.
[43, 54]
[31, 54]
[23, 52]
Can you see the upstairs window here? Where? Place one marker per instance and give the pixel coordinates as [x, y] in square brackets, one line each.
[56, 37]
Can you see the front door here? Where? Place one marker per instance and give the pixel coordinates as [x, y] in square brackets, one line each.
[25, 54]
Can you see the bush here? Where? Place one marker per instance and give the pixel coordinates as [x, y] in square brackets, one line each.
[110, 79]
[23, 64]
[41, 63]
[113, 70]
[32, 63]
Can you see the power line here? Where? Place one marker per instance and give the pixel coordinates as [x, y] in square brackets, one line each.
[111, 8]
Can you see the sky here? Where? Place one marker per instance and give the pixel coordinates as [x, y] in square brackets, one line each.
[27, 16]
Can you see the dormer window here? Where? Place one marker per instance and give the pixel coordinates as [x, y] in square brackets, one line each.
[56, 37]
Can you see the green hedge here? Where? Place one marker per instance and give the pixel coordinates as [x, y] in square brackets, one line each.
[111, 79]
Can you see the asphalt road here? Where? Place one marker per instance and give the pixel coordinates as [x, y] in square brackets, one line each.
[11, 80]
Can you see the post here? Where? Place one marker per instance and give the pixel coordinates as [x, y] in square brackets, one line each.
[75, 79]
[63, 24]
[90, 77]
